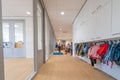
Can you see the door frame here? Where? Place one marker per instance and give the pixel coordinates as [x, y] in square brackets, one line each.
[12, 21]
[1, 47]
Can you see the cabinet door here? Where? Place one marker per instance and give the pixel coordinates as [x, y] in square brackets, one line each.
[116, 18]
[107, 20]
[103, 21]
[102, 2]
[99, 24]
[92, 26]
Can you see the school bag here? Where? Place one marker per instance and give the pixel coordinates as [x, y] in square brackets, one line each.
[78, 49]
[93, 53]
[113, 54]
[85, 49]
[107, 55]
[89, 50]
[81, 50]
[117, 54]
[103, 49]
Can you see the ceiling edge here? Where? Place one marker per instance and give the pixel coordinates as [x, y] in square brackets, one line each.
[79, 11]
[48, 17]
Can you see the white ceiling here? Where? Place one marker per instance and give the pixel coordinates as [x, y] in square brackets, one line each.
[54, 7]
[70, 8]
[16, 7]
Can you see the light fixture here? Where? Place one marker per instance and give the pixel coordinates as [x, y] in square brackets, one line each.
[62, 13]
[28, 13]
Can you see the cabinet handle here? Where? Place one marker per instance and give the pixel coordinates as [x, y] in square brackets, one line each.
[99, 7]
[92, 38]
[94, 12]
[98, 37]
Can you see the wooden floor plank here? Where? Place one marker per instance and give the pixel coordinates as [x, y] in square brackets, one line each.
[65, 67]
[18, 69]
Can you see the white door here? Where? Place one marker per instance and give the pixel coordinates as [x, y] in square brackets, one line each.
[13, 39]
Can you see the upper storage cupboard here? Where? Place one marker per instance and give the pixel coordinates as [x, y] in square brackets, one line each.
[116, 18]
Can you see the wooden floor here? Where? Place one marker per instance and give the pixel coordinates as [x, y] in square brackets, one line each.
[18, 69]
[65, 67]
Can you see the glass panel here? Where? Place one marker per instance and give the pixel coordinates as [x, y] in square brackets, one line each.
[20, 18]
[39, 27]
[18, 35]
[6, 38]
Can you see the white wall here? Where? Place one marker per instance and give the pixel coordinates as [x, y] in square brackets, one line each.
[28, 34]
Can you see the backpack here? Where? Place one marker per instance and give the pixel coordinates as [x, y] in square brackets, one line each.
[117, 54]
[85, 49]
[103, 50]
[78, 49]
[93, 52]
[107, 55]
[112, 54]
[81, 50]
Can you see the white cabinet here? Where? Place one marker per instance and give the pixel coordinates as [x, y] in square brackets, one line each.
[94, 21]
[93, 26]
[107, 20]
[102, 2]
[116, 18]
[103, 27]
[99, 23]
[88, 20]
[99, 19]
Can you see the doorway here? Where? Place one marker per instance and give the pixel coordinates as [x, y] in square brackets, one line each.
[14, 38]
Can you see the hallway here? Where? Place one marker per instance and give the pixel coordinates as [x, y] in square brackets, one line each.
[66, 67]
[84, 30]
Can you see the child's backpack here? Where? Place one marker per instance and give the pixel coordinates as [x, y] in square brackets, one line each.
[107, 55]
[117, 54]
[85, 49]
[103, 49]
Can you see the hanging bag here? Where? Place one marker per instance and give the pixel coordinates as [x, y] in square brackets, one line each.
[103, 49]
[117, 54]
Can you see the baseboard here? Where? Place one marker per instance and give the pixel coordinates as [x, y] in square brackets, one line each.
[31, 76]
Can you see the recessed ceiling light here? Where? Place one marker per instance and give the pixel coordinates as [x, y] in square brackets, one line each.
[28, 13]
[62, 13]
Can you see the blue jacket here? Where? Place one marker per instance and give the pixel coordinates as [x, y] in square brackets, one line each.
[85, 49]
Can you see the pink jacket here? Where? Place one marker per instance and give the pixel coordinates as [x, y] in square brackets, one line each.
[93, 51]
